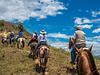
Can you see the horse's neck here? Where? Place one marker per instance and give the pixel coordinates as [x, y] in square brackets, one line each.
[86, 64]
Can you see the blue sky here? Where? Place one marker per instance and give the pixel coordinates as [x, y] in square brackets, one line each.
[57, 17]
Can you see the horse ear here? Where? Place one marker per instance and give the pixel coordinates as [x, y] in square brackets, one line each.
[91, 47]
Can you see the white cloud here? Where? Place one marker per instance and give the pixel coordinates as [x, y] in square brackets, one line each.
[95, 13]
[23, 9]
[96, 47]
[95, 20]
[86, 26]
[96, 30]
[86, 20]
[58, 35]
[78, 20]
[82, 20]
[97, 37]
[59, 44]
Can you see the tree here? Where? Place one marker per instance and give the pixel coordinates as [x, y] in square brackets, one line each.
[1, 25]
[20, 26]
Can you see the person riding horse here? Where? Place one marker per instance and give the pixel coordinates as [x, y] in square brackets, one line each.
[11, 37]
[20, 34]
[20, 39]
[42, 52]
[4, 37]
[79, 41]
[33, 43]
[42, 38]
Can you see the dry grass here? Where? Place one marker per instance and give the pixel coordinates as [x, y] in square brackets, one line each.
[15, 61]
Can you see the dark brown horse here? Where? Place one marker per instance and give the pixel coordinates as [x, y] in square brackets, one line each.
[85, 63]
[43, 53]
[33, 50]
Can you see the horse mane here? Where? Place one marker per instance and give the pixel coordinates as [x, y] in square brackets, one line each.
[94, 69]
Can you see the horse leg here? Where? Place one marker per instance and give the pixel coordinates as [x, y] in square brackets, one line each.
[38, 68]
[30, 54]
[33, 53]
[2, 41]
[43, 70]
[18, 44]
[23, 44]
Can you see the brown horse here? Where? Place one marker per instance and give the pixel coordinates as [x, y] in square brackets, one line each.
[33, 50]
[85, 64]
[43, 53]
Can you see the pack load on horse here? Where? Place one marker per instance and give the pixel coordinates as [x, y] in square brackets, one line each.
[33, 44]
[42, 53]
[80, 55]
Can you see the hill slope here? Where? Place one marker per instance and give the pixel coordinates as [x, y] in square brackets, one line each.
[15, 61]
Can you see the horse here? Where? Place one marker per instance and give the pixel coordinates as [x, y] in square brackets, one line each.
[5, 41]
[21, 43]
[33, 50]
[85, 63]
[43, 54]
[12, 41]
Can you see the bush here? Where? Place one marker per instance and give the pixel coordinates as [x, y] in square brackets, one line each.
[1, 25]
[20, 26]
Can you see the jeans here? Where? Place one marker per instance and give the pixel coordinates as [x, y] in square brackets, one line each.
[73, 53]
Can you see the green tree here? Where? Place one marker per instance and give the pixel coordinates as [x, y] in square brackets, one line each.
[1, 25]
[20, 26]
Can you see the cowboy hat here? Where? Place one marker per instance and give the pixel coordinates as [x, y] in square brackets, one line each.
[78, 27]
[43, 32]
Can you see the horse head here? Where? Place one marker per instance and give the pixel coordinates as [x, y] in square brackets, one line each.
[85, 61]
[43, 50]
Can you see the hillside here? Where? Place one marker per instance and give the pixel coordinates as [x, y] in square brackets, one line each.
[15, 61]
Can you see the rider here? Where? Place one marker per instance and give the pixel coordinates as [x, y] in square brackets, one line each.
[80, 41]
[20, 34]
[4, 36]
[34, 39]
[42, 38]
[12, 35]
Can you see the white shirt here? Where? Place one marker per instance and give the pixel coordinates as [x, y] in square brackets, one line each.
[42, 38]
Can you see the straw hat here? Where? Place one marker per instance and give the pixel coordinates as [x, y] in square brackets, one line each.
[78, 27]
[43, 32]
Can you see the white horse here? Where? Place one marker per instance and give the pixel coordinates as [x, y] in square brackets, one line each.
[21, 42]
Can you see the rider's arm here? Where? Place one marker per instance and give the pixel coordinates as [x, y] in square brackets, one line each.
[75, 37]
